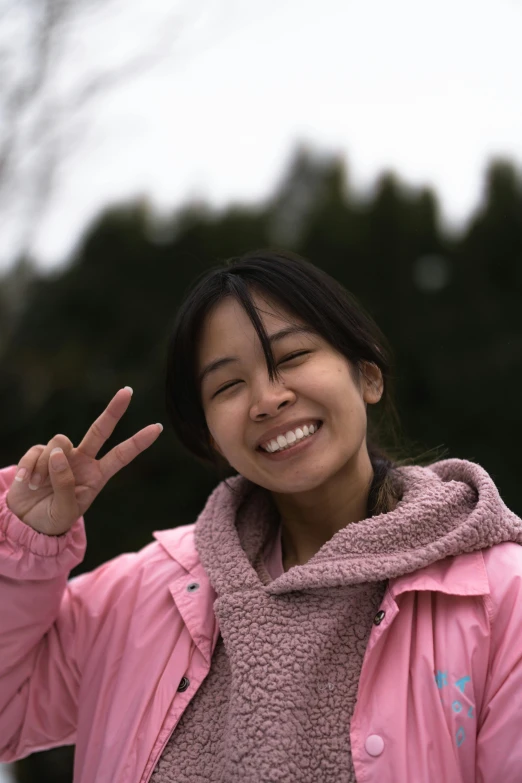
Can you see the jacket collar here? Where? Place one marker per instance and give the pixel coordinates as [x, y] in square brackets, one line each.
[460, 575]
[178, 542]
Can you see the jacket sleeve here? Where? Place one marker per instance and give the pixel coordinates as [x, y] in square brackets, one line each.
[499, 745]
[39, 676]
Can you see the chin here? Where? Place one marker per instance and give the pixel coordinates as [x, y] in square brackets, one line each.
[292, 486]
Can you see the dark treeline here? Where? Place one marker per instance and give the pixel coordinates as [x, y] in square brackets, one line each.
[451, 307]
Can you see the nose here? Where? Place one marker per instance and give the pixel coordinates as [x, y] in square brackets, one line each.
[269, 397]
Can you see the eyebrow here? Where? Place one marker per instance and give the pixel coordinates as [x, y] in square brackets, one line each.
[272, 338]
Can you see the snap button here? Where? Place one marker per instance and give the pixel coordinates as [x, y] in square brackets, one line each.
[374, 745]
[183, 685]
[192, 587]
[379, 617]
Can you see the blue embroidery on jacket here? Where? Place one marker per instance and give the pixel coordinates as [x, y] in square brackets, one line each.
[441, 681]
[460, 736]
[461, 684]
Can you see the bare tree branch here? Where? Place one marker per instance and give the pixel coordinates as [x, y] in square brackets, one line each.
[35, 118]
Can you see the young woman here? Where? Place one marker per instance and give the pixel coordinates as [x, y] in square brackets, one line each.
[331, 616]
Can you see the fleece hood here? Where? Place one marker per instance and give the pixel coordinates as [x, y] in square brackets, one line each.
[449, 508]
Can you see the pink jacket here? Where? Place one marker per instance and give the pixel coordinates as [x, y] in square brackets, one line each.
[110, 659]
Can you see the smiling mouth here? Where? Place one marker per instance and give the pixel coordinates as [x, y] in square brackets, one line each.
[291, 439]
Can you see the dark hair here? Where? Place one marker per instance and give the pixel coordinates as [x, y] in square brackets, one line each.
[316, 299]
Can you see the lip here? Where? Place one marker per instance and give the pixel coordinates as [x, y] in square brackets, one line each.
[282, 428]
[295, 450]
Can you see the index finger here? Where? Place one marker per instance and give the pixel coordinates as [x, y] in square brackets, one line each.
[102, 428]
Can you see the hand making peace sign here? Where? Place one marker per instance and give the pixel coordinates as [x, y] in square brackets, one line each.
[71, 478]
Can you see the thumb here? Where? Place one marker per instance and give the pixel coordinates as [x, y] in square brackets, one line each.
[63, 510]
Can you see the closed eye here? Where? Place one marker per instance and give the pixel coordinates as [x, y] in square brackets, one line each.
[224, 388]
[293, 356]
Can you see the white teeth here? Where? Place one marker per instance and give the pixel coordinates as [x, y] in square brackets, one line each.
[292, 436]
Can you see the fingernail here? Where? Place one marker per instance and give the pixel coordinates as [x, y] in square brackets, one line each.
[129, 388]
[35, 481]
[22, 473]
[58, 461]
[160, 426]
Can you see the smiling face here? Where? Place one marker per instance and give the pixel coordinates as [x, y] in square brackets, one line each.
[316, 400]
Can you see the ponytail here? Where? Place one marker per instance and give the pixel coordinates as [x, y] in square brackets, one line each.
[386, 488]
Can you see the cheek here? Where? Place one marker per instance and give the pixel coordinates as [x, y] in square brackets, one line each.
[334, 385]
[339, 395]
[223, 428]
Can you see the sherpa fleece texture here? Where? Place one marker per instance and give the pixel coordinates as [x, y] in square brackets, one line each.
[277, 703]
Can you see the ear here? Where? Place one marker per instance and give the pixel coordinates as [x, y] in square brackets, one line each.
[372, 383]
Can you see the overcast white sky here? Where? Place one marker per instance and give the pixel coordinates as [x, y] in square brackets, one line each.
[430, 89]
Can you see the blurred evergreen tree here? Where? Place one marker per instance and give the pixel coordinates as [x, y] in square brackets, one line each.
[486, 335]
